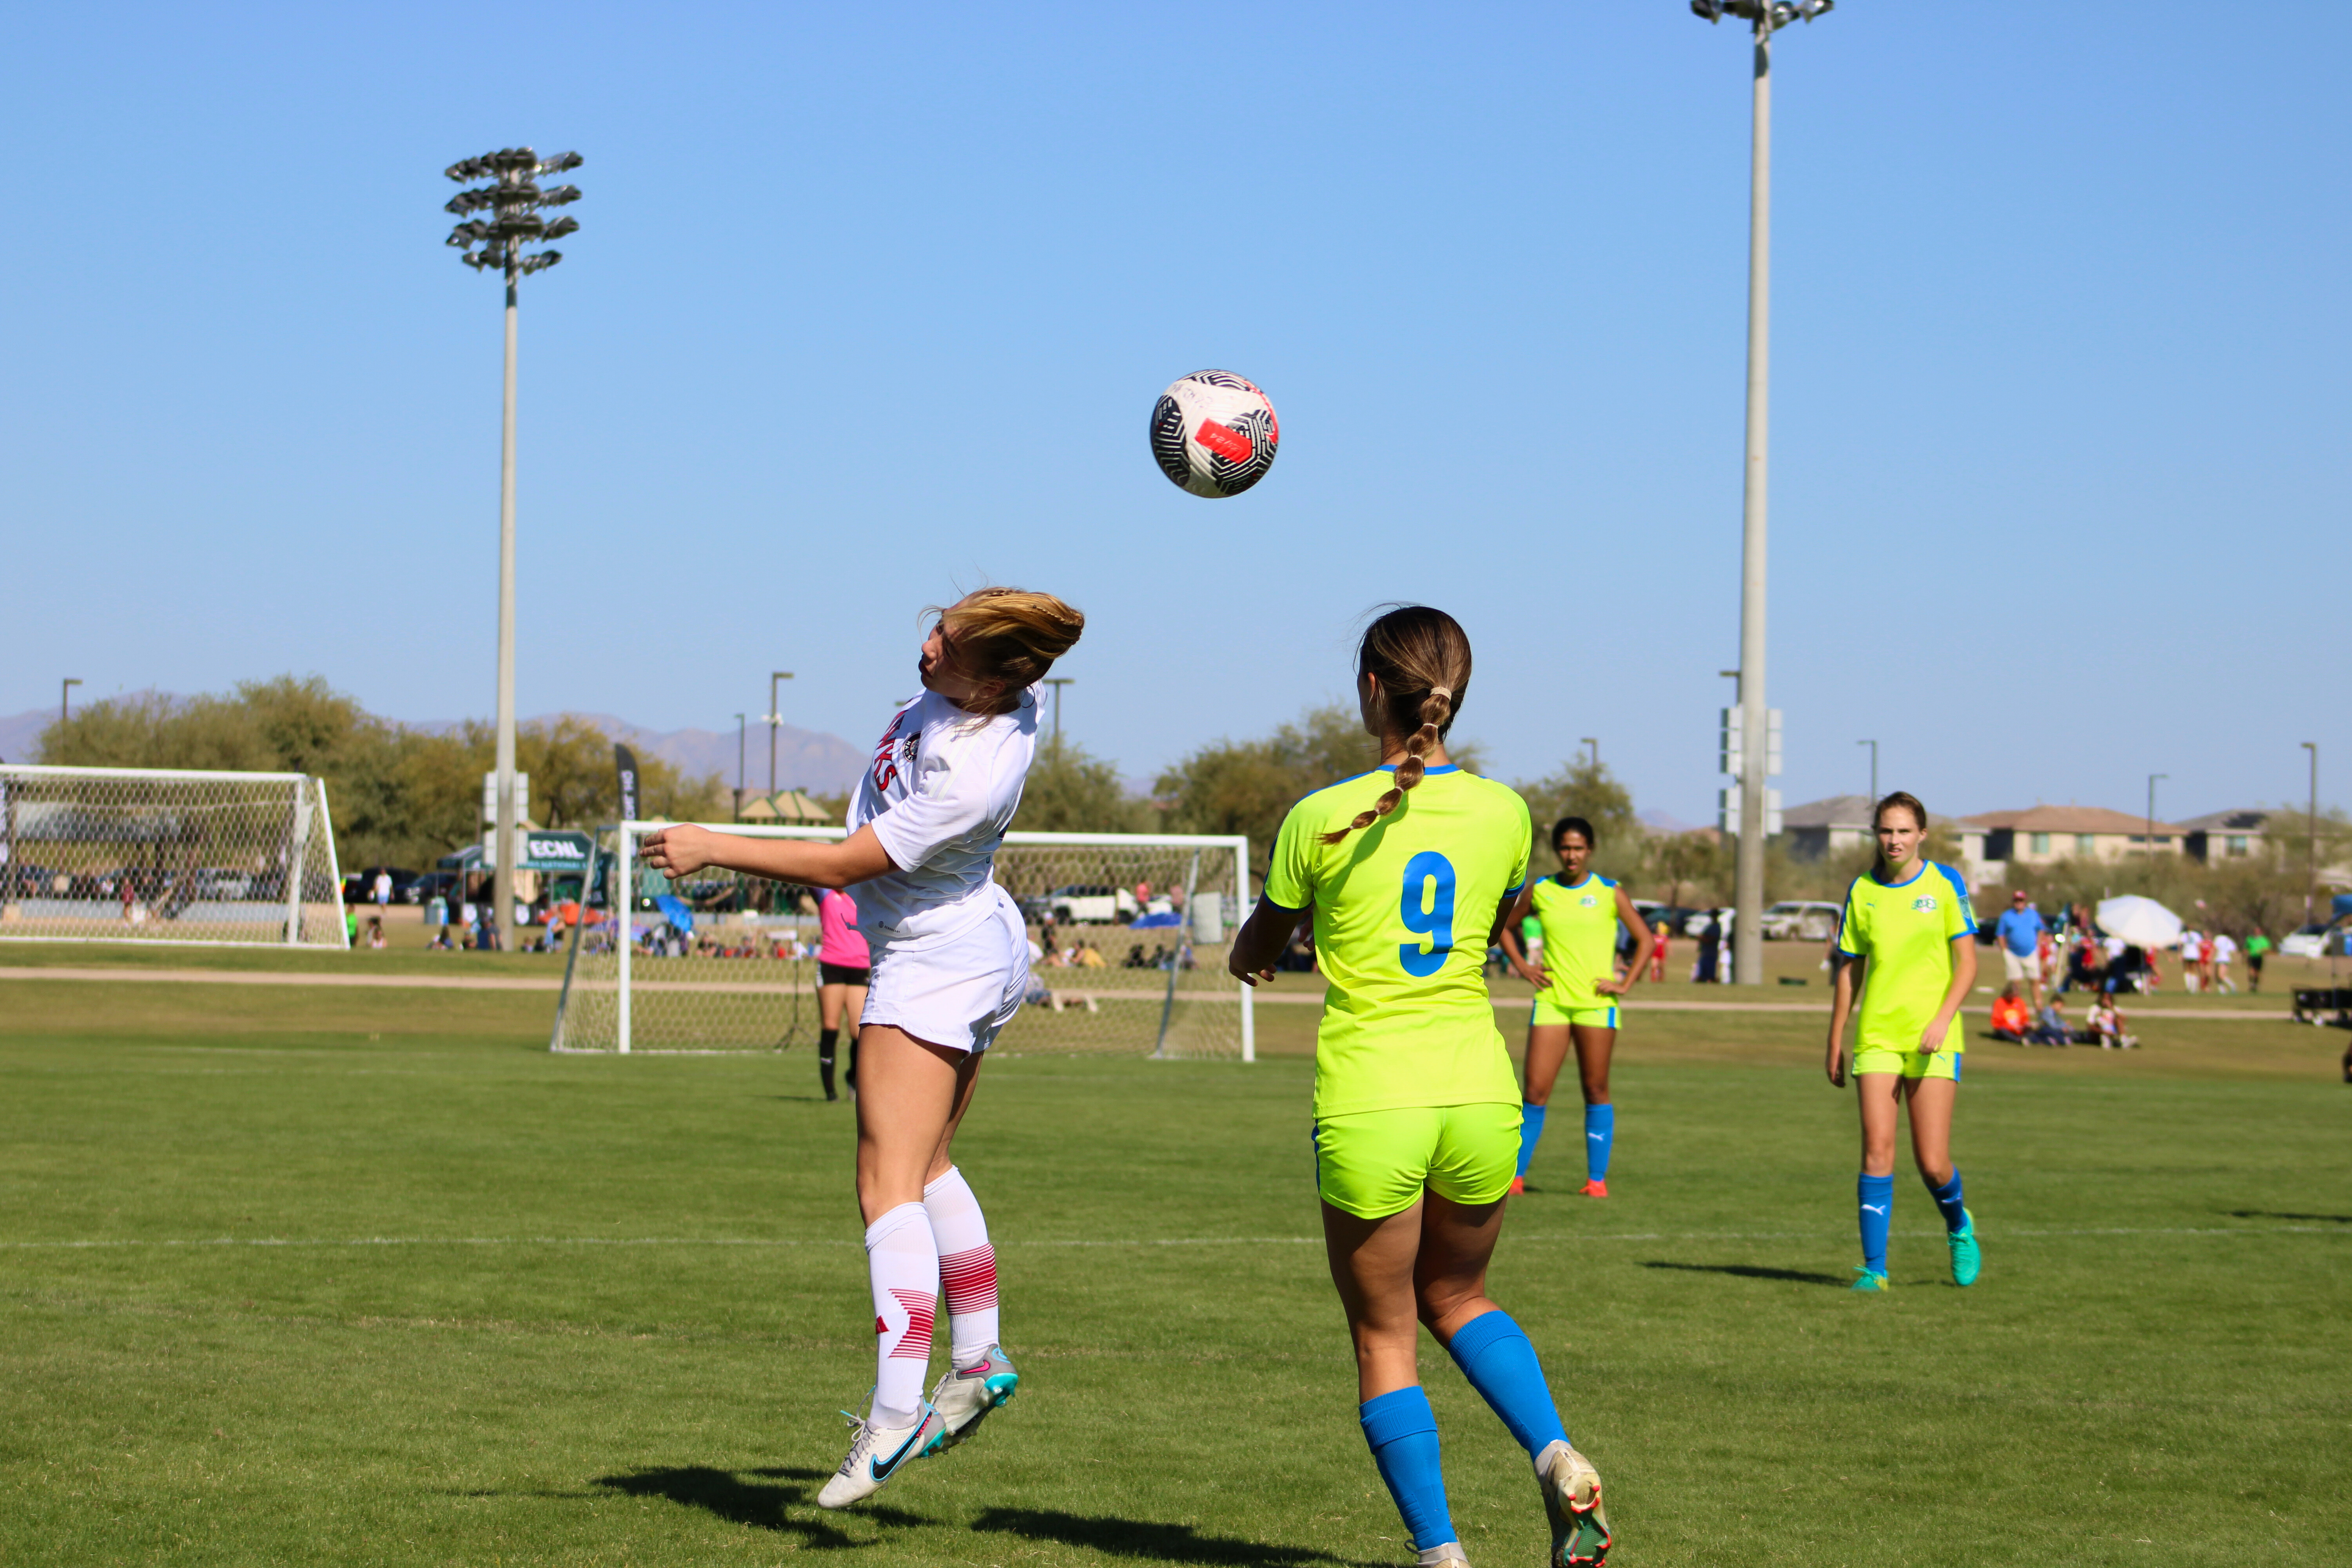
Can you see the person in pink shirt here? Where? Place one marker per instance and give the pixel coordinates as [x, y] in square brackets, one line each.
[843, 967]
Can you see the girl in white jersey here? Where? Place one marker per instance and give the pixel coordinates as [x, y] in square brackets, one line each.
[950, 963]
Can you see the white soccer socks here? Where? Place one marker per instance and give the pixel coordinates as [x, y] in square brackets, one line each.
[967, 1266]
[903, 1261]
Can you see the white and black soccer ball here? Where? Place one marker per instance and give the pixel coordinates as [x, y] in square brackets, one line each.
[1214, 433]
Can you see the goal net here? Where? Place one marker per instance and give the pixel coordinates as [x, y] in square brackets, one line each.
[162, 855]
[1134, 929]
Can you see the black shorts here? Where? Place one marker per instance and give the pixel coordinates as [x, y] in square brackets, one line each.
[841, 973]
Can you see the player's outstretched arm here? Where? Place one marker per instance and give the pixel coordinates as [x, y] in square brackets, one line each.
[684, 849]
[1258, 945]
[1505, 935]
[1644, 941]
[1841, 1006]
[1964, 979]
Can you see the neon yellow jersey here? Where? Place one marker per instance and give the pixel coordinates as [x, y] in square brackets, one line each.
[1402, 912]
[1580, 939]
[1905, 933]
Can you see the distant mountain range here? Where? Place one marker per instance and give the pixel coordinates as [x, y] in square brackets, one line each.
[805, 759]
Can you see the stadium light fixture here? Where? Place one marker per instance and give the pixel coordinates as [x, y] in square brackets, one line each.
[514, 200]
[65, 699]
[1765, 17]
[1057, 682]
[773, 717]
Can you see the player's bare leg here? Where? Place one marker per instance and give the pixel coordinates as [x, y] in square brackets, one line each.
[1595, 1043]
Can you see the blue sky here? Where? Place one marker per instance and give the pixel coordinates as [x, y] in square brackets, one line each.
[871, 303]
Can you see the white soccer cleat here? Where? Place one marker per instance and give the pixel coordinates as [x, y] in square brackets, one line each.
[1571, 1494]
[878, 1453]
[963, 1399]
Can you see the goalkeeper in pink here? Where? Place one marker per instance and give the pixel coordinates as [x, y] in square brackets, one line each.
[950, 966]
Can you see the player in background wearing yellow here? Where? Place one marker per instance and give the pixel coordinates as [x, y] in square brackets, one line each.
[1576, 992]
[1406, 873]
[1908, 938]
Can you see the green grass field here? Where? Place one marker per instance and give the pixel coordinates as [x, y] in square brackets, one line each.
[304, 1275]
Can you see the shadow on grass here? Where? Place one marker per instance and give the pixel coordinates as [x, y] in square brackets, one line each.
[760, 1503]
[1751, 1271]
[1152, 1542]
[2275, 1213]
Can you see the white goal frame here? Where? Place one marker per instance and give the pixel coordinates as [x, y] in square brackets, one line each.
[306, 922]
[621, 901]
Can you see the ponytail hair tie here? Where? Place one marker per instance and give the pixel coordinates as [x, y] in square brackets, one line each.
[1445, 691]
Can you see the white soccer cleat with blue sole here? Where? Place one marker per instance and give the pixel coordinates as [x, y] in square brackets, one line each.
[879, 1453]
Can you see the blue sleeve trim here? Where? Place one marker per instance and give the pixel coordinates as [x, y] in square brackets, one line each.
[1959, 885]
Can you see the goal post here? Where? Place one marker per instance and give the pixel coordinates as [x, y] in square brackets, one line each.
[168, 856]
[1134, 929]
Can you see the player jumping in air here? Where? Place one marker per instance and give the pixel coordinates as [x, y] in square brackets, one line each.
[1908, 938]
[1406, 872]
[1576, 992]
[950, 963]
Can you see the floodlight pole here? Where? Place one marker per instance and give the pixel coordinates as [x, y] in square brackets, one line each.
[1057, 682]
[1593, 742]
[2151, 814]
[65, 703]
[1874, 777]
[502, 884]
[1747, 869]
[775, 716]
[2311, 824]
[739, 766]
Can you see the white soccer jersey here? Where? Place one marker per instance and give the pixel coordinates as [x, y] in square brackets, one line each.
[940, 791]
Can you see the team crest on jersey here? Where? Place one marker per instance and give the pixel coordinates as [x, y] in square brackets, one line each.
[1925, 903]
[1588, 901]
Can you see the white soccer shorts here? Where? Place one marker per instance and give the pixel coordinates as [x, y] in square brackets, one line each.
[955, 991]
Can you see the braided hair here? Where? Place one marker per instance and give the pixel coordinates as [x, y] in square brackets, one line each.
[1422, 658]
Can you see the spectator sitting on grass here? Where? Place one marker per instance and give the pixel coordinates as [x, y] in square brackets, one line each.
[2009, 1018]
[2107, 1026]
[2052, 1027]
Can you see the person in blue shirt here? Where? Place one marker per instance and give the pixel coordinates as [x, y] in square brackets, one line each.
[2019, 931]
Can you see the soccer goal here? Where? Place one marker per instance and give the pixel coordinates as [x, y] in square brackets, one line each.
[1135, 927]
[167, 855]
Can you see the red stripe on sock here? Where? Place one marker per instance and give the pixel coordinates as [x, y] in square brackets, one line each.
[915, 1344]
[969, 1279]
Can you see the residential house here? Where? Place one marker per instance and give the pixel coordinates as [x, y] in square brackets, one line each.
[2224, 835]
[2048, 833]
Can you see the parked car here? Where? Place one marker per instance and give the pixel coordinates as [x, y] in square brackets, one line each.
[1800, 919]
[219, 884]
[1083, 903]
[2311, 942]
[359, 886]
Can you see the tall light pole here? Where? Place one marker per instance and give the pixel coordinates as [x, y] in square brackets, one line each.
[1874, 777]
[514, 200]
[1593, 742]
[739, 766]
[774, 716]
[1057, 682]
[2311, 884]
[65, 706]
[1767, 16]
[2151, 814]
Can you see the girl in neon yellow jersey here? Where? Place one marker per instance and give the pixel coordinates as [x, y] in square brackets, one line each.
[1576, 990]
[1908, 940]
[1407, 871]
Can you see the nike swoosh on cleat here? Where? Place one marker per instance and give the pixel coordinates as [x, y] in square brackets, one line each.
[881, 1471]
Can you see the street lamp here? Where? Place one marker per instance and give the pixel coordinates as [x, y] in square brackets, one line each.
[1594, 743]
[1057, 682]
[739, 766]
[1767, 16]
[773, 716]
[512, 197]
[2151, 814]
[1874, 777]
[2311, 886]
[65, 704]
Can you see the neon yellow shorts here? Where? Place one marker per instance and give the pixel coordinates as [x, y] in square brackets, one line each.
[1945, 1063]
[1546, 1011]
[1375, 1164]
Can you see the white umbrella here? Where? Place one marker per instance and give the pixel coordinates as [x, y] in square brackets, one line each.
[2142, 923]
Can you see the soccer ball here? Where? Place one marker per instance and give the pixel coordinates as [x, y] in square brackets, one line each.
[1215, 434]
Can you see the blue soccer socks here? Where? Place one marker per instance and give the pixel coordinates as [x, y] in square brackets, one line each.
[1532, 1120]
[1947, 1199]
[1600, 1129]
[1873, 1199]
[1402, 1433]
[1494, 1353]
